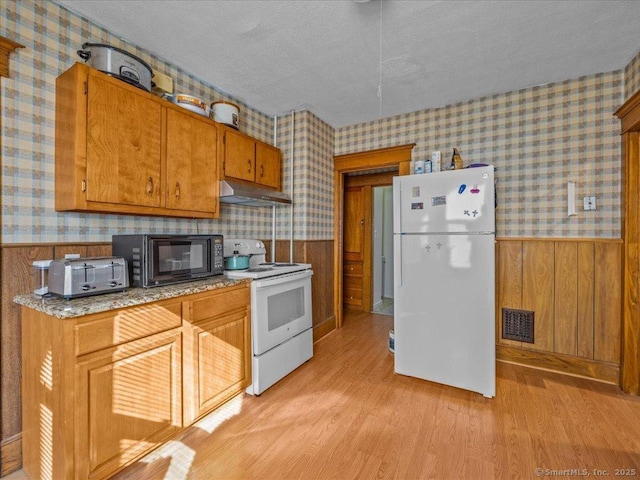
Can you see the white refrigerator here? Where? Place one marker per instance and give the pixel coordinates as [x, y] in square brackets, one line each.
[444, 276]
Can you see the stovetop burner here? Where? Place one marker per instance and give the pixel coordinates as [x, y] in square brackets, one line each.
[260, 269]
[277, 264]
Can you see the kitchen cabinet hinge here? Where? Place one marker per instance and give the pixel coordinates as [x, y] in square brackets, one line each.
[84, 185]
[86, 88]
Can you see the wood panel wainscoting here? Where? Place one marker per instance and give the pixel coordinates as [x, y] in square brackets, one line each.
[16, 279]
[574, 288]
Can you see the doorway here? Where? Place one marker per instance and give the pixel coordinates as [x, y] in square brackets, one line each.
[385, 161]
[382, 261]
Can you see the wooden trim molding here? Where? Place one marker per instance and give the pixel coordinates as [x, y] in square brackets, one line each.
[629, 115]
[324, 328]
[398, 156]
[557, 362]
[11, 455]
[6, 47]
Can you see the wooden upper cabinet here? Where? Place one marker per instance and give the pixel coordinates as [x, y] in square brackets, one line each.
[268, 166]
[123, 145]
[120, 149]
[239, 156]
[245, 158]
[191, 163]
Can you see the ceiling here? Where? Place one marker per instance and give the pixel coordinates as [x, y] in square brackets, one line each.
[330, 56]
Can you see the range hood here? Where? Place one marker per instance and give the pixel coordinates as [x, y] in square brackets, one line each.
[251, 195]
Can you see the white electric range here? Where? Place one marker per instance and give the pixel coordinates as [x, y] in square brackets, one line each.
[281, 317]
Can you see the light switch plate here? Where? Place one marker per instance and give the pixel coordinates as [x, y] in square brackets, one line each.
[589, 203]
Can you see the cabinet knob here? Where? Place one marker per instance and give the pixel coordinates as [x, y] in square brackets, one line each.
[177, 191]
[150, 186]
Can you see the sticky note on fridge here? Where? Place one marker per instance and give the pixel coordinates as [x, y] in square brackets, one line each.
[415, 192]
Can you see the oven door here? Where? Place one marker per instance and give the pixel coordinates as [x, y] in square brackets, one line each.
[280, 309]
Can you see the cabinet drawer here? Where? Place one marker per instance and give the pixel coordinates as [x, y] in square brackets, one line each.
[353, 281]
[125, 325]
[217, 304]
[352, 269]
[353, 296]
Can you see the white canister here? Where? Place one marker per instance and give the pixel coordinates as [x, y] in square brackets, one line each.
[226, 112]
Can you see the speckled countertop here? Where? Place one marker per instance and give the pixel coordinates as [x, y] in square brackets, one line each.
[61, 308]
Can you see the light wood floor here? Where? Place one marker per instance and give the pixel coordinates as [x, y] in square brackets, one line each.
[345, 415]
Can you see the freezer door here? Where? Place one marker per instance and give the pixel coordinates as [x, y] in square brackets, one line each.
[444, 310]
[455, 201]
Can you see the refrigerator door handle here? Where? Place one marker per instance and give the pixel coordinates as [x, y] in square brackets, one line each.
[399, 260]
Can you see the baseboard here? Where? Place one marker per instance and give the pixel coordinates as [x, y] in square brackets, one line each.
[324, 328]
[11, 455]
[556, 362]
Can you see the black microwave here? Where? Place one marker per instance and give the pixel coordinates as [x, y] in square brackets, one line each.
[156, 260]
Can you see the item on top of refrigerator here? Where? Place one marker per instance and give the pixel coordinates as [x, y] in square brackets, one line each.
[456, 160]
[476, 165]
[436, 157]
[419, 167]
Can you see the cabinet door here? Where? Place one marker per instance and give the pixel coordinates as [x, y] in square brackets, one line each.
[239, 156]
[192, 177]
[128, 400]
[268, 166]
[123, 145]
[217, 362]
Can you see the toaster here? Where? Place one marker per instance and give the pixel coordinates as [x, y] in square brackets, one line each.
[81, 277]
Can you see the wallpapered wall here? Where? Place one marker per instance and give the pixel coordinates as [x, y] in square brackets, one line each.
[51, 36]
[539, 138]
[632, 77]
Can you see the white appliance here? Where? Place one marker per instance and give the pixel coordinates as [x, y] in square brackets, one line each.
[444, 275]
[281, 318]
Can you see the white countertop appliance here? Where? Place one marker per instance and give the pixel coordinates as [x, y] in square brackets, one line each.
[444, 252]
[281, 318]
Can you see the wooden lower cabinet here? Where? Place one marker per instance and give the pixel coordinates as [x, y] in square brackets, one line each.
[102, 390]
[217, 353]
[127, 401]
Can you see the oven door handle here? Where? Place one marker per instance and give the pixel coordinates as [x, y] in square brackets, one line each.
[287, 278]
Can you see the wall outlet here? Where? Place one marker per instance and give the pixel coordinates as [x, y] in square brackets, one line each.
[589, 203]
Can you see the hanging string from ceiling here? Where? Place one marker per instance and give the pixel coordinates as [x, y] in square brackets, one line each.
[380, 64]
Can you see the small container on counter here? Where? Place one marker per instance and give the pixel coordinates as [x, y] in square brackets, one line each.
[41, 277]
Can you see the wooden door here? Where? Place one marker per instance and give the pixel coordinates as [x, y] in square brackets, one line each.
[268, 166]
[357, 239]
[123, 145]
[354, 224]
[128, 400]
[192, 177]
[239, 156]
